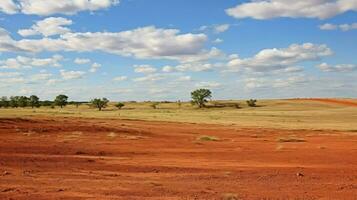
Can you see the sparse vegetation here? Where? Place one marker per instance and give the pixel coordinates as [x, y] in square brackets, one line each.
[99, 103]
[208, 138]
[252, 102]
[200, 96]
[291, 139]
[119, 105]
[155, 105]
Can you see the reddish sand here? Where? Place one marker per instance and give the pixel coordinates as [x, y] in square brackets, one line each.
[334, 101]
[66, 158]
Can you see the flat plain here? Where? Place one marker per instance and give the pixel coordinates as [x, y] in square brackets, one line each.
[282, 149]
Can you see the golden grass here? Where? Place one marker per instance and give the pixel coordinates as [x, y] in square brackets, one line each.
[286, 114]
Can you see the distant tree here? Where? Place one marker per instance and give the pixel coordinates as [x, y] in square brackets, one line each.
[77, 104]
[252, 103]
[34, 101]
[179, 103]
[46, 103]
[14, 101]
[61, 100]
[119, 105]
[99, 103]
[22, 101]
[200, 96]
[155, 105]
[4, 102]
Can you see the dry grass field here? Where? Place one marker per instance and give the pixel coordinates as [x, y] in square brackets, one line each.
[285, 114]
[281, 150]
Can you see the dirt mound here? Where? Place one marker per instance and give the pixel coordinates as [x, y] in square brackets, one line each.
[135, 160]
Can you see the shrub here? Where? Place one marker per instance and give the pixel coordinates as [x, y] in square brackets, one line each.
[119, 105]
[252, 103]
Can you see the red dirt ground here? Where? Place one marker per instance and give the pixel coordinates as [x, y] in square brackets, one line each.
[68, 158]
[334, 101]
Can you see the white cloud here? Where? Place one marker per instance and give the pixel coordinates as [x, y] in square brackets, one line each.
[9, 74]
[342, 27]
[70, 75]
[95, 67]
[221, 28]
[8, 7]
[146, 42]
[150, 78]
[328, 27]
[48, 27]
[21, 62]
[120, 78]
[144, 69]
[337, 68]
[267, 9]
[50, 7]
[210, 85]
[82, 61]
[217, 41]
[184, 78]
[216, 28]
[278, 59]
[41, 77]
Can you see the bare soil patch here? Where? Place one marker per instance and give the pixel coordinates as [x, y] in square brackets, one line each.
[73, 158]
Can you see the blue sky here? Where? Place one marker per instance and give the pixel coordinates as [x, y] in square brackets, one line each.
[162, 50]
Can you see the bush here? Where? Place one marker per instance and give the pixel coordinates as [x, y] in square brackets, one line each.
[252, 103]
[200, 96]
[119, 105]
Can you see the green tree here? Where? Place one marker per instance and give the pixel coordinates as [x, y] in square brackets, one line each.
[4, 102]
[34, 101]
[99, 103]
[14, 101]
[252, 103]
[119, 105]
[61, 100]
[200, 96]
[22, 101]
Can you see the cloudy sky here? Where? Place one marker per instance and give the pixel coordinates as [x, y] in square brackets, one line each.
[162, 50]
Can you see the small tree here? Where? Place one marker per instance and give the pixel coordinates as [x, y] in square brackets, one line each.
[119, 105]
[200, 96]
[252, 103]
[34, 101]
[155, 105]
[99, 103]
[61, 100]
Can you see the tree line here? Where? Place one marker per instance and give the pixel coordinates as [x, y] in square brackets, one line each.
[199, 97]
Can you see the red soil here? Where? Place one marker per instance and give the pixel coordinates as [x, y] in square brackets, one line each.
[335, 101]
[66, 158]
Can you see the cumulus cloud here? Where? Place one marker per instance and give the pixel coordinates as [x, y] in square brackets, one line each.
[41, 77]
[150, 78]
[95, 67]
[8, 6]
[279, 59]
[48, 27]
[144, 69]
[120, 78]
[342, 27]
[267, 9]
[146, 42]
[21, 62]
[47, 7]
[82, 61]
[70, 75]
[210, 85]
[337, 68]
[216, 28]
